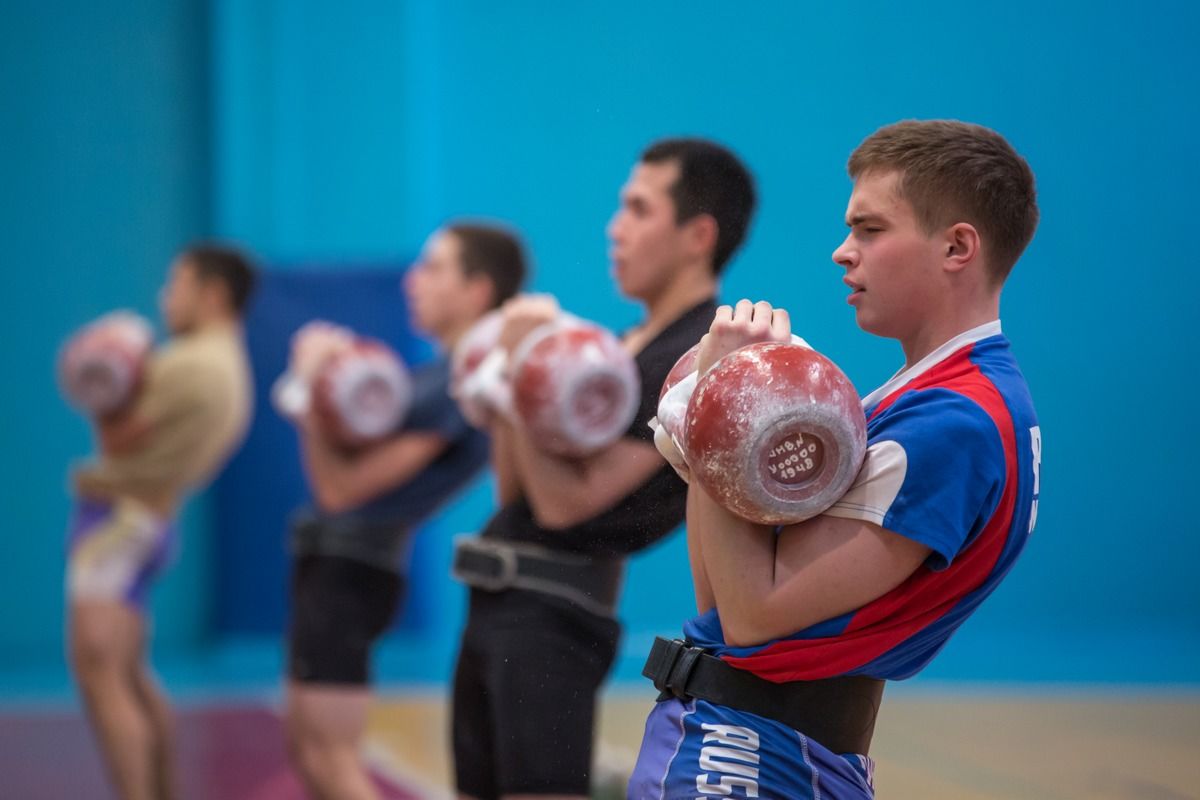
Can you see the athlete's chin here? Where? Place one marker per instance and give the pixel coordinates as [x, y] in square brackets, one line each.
[420, 316]
[630, 289]
[872, 323]
[177, 325]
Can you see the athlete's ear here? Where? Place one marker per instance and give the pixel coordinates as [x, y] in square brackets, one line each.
[480, 292]
[702, 233]
[962, 246]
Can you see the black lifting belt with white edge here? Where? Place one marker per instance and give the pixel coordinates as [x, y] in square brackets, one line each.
[837, 712]
[591, 582]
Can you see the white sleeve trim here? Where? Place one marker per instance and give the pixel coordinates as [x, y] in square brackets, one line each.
[871, 495]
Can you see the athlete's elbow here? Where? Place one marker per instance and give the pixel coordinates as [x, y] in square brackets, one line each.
[743, 632]
[333, 500]
[118, 443]
[558, 516]
[553, 519]
[737, 640]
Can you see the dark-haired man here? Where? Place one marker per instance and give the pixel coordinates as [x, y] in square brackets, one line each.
[190, 413]
[351, 547]
[545, 574]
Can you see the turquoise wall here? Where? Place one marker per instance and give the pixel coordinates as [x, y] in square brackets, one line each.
[311, 133]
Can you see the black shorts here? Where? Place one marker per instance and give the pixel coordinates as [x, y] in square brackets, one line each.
[525, 687]
[339, 608]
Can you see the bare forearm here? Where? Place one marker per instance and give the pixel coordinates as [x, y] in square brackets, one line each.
[554, 486]
[738, 562]
[703, 589]
[564, 492]
[343, 480]
[321, 465]
[508, 482]
[769, 585]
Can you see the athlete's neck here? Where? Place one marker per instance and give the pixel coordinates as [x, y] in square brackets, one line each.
[940, 329]
[687, 291]
[446, 339]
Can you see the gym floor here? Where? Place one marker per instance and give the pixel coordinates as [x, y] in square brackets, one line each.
[1061, 742]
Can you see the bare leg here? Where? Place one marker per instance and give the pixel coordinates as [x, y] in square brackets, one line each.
[105, 645]
[162, 723]
[326, 724]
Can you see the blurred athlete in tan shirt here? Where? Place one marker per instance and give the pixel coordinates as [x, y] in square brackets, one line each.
[191, 412]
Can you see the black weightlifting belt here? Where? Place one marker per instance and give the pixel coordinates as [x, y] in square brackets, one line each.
[837, 712]
[591, 582]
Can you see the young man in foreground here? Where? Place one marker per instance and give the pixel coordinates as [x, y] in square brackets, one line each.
[800, 627]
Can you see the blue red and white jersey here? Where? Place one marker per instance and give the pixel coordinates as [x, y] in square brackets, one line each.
[953, 461]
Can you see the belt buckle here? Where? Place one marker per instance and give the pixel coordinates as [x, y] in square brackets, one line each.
[505, 557]
[679, 661]
[681, 670]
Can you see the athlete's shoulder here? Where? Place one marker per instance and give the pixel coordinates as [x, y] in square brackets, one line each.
[200, 350]
[943, 414]
[996, 362]
[980, 379]
[198, 370]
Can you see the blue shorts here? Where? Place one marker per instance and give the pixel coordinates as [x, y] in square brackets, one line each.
[115, 551]
[697, 749]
